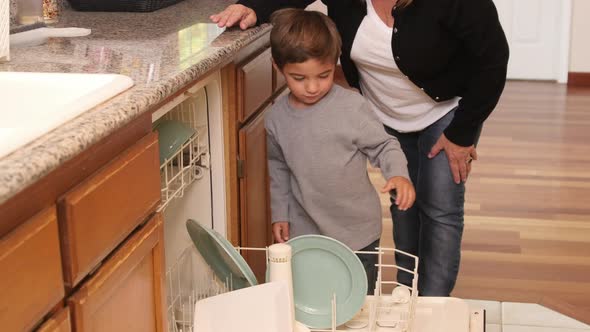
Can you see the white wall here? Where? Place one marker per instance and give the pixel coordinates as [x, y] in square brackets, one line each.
[319, 6]
[580, 39]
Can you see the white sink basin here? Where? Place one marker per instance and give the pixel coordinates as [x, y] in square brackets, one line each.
[33, 104]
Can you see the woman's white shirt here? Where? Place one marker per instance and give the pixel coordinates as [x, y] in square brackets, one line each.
[398, 102]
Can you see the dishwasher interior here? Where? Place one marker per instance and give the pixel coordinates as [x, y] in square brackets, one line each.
[192, 187]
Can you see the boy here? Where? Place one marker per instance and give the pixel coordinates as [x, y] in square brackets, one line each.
[319, 137]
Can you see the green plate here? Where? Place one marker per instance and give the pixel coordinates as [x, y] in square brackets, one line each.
[322, 267]
[171, 135]
[238, 259]
[223, 258]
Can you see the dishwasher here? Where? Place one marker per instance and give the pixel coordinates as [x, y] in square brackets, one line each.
[193, 187]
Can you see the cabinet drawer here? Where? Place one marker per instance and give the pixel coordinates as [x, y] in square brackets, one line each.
[31, 277]
[126, 293]
[100, 212]
[254, 85]
[60, 322]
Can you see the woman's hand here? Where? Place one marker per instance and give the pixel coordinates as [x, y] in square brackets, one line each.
[280, 231]
[459, 157]
[405, 193]
[233, 14]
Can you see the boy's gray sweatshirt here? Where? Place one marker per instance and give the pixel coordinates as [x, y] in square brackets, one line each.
[317, 161]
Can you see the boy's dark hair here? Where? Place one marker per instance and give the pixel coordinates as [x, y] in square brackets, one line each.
[299, 35]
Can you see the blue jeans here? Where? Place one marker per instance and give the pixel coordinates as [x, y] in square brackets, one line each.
[433, 227]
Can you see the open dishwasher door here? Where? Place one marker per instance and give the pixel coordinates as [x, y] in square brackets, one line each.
[442, 314]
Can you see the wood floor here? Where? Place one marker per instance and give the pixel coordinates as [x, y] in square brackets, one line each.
[527, 223]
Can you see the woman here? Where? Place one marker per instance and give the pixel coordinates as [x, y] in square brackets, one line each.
[433, 71]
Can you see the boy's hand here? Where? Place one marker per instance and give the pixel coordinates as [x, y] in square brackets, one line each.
[280, 230]
[233, 14]
[405, 193]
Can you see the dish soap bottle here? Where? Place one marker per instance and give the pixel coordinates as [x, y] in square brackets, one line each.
[50, 11]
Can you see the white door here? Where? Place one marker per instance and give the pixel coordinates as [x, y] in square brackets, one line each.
[538, 35]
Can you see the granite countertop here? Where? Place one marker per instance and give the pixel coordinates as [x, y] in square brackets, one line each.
[161, 51]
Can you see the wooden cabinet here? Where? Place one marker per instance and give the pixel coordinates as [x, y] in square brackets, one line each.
[60, 322]
[254, 193]
[100, 212]
[255, 86]
[127, 292]
[93, 242]
[31, 277]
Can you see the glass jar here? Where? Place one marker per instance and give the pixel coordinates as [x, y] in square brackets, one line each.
[50, 11]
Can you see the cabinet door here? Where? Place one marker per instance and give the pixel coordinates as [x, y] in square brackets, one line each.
[31, 274]
[126, 293]
[60, 322]
[255, 81]
[100, 212]
[255, 229]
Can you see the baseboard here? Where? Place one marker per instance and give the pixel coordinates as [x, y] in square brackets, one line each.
[578, 79]
[563, 307]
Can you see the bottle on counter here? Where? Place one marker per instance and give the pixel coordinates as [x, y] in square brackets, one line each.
[30, 11]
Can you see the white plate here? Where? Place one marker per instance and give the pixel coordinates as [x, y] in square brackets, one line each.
[262, 308]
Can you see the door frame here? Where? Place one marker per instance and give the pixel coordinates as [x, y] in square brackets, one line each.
[564, 41]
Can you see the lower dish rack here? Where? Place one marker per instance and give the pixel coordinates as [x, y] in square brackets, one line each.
[394, 307]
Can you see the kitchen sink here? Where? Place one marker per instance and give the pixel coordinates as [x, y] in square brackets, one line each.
[33, 104]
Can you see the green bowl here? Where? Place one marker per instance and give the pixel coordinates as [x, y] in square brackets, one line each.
[172, 134]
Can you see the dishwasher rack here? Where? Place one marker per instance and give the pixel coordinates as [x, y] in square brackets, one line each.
[398, 315]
